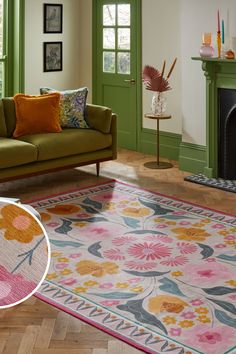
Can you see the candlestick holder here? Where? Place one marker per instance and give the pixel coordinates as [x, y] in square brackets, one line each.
[206, 50]
[219, 43]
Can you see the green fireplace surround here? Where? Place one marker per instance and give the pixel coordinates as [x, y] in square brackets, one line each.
[219, 73]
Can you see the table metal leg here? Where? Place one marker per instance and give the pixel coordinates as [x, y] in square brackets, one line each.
[158, 164]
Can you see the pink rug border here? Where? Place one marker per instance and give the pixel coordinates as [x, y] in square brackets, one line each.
[132, 185]
[103, 329]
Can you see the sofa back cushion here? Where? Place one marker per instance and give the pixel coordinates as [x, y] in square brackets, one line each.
[3, 129]
[10, 115]
[37, 114]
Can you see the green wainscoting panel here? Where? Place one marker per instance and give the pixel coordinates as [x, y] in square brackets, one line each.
[169, 143]
[192, 157]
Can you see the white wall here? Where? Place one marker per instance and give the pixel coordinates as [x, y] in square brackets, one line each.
[198, 16]
[34, 38]
[85, 45]
[161, 41]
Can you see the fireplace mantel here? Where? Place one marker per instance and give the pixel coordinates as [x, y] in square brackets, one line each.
[219, 73]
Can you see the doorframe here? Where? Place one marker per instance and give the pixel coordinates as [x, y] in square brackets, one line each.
[138, 65]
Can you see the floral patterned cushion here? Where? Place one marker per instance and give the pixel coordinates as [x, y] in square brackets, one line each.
[72, 107]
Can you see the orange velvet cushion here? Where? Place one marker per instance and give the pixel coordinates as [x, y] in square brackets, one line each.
[37, 114]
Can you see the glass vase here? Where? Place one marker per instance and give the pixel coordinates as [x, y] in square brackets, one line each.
[158, 106]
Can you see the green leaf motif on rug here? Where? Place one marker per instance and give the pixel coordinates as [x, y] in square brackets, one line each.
[177, 217]
[135, 307]
[89, 209]
[93, 219]
[219, 290]
[143, 232]
[145, 274]
[131, 222]
[207, 251]
[170, 287]
[225, 305]
[64, 228]
[225, 319]
[93, 249]
[116, 295]
[158, 210]
[93, 203]
[65, 243]
[227, 258]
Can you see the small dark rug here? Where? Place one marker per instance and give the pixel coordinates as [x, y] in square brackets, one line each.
[226, 185]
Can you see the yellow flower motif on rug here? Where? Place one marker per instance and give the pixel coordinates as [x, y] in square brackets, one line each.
[169, 320]
[19, 224]
[191, 234]
[80, 289]
[90, 283]
[45, 217]
[64, 209]
[122, 285]
[231, 282]
[186, 324]
[177, 274]
[202, 310]
[204, 319]
[96, 269]
[162, 303]
[136, 212]
[137, 289]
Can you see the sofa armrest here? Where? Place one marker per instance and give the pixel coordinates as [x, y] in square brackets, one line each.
[99, 117]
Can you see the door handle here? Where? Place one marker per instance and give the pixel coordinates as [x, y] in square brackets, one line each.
[131, 81]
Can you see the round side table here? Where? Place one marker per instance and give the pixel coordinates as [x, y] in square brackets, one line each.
[158, 164]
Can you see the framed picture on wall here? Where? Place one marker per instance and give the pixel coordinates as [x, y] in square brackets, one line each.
[52, 56]
[52, 18]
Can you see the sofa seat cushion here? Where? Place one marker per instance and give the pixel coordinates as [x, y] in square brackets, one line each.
[68, 142]
[14, 153]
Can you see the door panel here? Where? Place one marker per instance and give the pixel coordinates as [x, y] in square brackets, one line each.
[116, 64]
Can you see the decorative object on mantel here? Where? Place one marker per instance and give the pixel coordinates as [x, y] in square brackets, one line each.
[224, 184]
[218, 34]
[154, 81]
[229, 54]
[206, 50]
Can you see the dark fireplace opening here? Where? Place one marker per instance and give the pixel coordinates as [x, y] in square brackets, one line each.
[227, 134]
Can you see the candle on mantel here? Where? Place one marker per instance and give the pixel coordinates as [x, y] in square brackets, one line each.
[223, 32]
[218, 21]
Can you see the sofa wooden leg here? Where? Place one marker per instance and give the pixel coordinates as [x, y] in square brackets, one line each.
[98, 168]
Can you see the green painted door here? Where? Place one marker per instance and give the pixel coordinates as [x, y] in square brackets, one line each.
[116, 62]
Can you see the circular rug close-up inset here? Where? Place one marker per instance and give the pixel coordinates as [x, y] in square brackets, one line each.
[24, 256]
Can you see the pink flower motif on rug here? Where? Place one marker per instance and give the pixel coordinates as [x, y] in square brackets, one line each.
[149, 251]
[123, 240]
[13, 287]
[208, 273]
[186, 248]
[210, 340]
[115, 254]
[140, 265]
[175, 261]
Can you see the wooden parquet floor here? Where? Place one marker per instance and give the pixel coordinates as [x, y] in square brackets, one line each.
[35, 327]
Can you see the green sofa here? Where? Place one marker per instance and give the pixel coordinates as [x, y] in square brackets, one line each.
[41, 153]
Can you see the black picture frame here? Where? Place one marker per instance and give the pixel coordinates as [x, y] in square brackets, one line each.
[52, 56]
[53, 18]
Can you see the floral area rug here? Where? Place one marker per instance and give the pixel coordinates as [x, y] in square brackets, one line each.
[153, 271]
